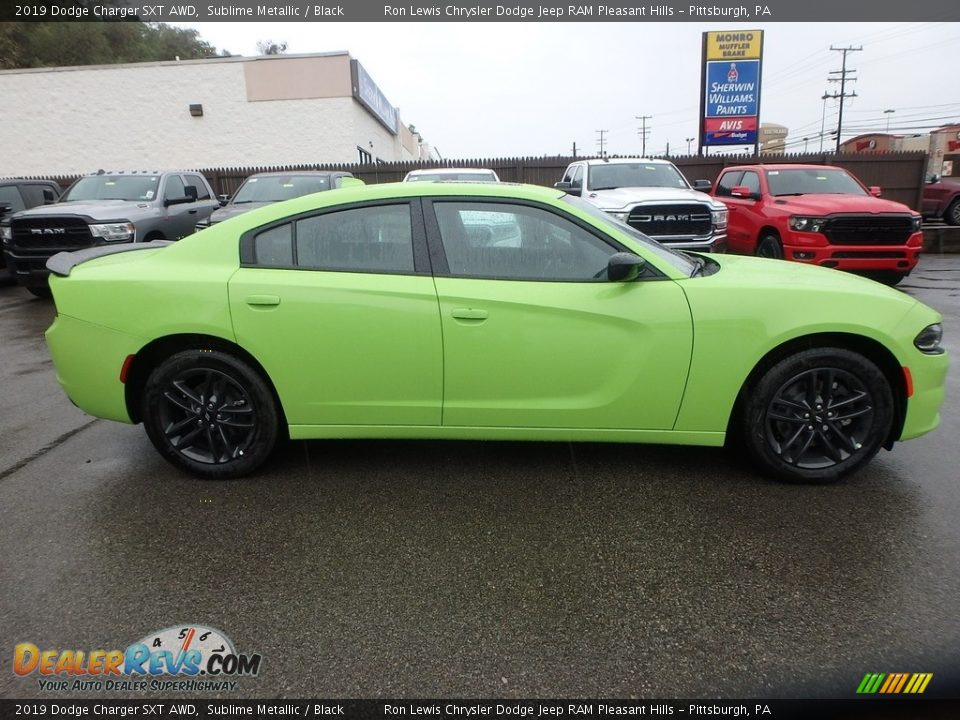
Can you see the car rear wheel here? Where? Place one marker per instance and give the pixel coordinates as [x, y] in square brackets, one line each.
[817, 415]
[210, 414]
[952, 215]
[770, 247]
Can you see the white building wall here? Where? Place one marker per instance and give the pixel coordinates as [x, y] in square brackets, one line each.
[75, 120]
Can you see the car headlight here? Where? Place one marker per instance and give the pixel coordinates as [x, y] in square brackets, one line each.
[720, 217]
[114, 232]
[917, 222]
[619, 215]
[6, 234]
[807, 224]
[928, 340]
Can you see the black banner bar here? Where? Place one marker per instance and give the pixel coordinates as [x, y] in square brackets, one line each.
[716, 11]
[854, 709]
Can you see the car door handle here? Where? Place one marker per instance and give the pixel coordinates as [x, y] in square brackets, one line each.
[192, 212]
[263, 300]
[469, 314]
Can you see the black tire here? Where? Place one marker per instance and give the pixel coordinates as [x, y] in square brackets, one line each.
[40, 291]
[817, 416]
[210, 414]
[952, 215]
[887, 277]
[770, 247]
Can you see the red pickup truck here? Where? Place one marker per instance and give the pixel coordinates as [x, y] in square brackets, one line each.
[820, 215]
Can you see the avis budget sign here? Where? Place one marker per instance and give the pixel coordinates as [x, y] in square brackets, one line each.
[730, 103]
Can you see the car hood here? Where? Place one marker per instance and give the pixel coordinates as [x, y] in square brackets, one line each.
[829, 204]
[100, 209]
[626, 197]
[229, 211]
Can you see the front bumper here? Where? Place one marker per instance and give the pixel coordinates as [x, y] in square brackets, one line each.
[716, 243]
[813, 249]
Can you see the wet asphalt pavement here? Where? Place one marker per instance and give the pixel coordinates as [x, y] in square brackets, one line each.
[468, 569]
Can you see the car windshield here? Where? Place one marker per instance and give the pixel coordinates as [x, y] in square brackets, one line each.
[458, 176]
[113, 187]
[274, 188]
[639, 174]
[813, 181]
[681, 261]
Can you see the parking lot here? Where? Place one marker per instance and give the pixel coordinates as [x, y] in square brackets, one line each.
[461, 569]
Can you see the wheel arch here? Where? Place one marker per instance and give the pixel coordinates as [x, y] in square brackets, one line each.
[156, 351]
[871, 349]
[769, 230]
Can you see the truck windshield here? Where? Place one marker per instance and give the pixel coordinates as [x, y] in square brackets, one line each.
[639, 174]
[684, 263]
[113, 187]
[812, 181]
[274, 188]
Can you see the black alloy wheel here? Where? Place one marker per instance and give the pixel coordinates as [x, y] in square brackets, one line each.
[818, 415]
[952, 215]
[770, 247]
[210, 414]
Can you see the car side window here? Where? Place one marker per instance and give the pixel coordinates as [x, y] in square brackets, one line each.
[10, 194]
[751, 181]
[174, 188]
[274, 247]
[729, 181]
[577, 175]
[200, 185]
[518, 242]
[368, 239]
[35, 194]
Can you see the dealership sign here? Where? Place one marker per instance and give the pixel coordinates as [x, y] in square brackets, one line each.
[730, 100]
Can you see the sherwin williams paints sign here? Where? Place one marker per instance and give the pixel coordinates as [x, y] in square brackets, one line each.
[731, 72]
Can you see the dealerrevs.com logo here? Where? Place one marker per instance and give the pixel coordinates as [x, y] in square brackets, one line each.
[179, 658]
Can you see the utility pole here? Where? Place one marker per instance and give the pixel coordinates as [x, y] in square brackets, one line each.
[601, 140]
[843, 73]
[643, 131]
[574, 148]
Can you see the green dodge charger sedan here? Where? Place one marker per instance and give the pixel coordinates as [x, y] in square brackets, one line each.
[481, 311]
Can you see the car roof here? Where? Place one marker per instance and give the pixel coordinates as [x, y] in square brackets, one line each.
[302, 173]
[166, 171]
[782, 166]
[623, 161]
[431, 171]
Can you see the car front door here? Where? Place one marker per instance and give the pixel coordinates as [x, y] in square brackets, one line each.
[533, 334]
[340, 309]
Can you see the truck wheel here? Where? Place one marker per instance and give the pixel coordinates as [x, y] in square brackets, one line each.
[817, 415]
[952, 215]
[770, 247]
[40, 291]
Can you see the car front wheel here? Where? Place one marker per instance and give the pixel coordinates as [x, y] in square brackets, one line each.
[770, 247]
[210, 414]
[817, 415]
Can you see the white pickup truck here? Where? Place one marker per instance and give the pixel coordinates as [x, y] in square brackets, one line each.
[653, 197]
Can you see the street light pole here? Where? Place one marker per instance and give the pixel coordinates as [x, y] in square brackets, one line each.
[823, 118]
[689, 140]
[888, 113]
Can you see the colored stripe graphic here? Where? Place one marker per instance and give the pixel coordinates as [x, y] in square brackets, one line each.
[894, 683]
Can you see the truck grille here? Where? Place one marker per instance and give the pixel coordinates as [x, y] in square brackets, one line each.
[49, 235]
[869, 229]
[673, 220]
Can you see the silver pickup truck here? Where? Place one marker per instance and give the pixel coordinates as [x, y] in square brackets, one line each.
[105, 208]
[653, 197]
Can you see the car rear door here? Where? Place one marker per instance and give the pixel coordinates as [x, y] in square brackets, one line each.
[340, 308]
[534, 337]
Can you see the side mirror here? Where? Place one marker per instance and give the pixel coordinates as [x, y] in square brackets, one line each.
[224, 199]
[874, 190]
[624, 267]
[742, 191]
[568, 187]
[5, 207]
[702, 185]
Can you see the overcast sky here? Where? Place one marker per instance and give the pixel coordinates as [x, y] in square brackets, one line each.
[477, 90]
